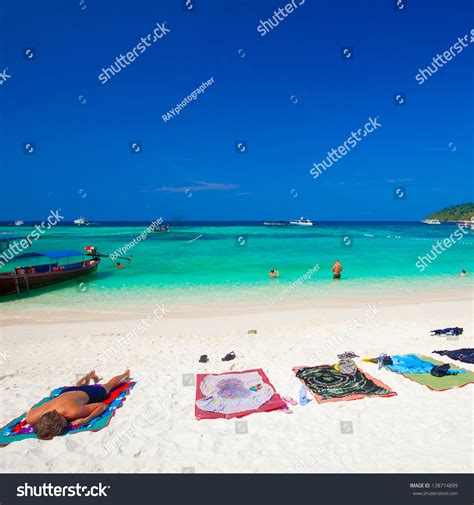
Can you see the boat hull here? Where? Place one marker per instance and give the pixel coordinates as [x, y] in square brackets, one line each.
[40, 280]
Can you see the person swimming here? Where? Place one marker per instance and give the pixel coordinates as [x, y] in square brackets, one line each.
[337, 270]
[274, 273]
[119, 265]
[463, 273]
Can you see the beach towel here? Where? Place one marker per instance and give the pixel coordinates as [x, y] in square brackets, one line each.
[330, 385]
[464, 355]
[418, 369]
[235, 394]
[18, 429]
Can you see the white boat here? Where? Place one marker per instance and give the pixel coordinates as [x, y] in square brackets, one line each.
[19, 222]
[431, 221]
[274, 223]
[302, 222]
[81, 221]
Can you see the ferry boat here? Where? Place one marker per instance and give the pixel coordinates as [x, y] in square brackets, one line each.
[302, 222]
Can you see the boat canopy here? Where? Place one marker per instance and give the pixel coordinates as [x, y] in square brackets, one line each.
[52, 254]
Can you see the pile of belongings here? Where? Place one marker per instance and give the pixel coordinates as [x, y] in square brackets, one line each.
[429, 372]
[346, 362]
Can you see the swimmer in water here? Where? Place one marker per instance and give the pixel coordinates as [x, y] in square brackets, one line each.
[336, 269]
[274, 273]
[119, 265]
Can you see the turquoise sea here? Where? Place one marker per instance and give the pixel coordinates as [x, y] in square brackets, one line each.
[230, 261]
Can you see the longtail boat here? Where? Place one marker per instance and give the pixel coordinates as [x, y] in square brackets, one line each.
[53, 267]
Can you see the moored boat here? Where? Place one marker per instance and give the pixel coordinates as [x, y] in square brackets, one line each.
[81, 221]
[50, 270]
[160, 229]
[301, 222]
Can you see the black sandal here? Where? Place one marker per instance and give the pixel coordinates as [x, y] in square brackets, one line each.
[229, 357]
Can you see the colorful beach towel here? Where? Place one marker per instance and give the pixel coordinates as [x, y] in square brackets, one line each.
[418, 368]
[235, 394]
[464, 355]
[18, 429]
[330, 385]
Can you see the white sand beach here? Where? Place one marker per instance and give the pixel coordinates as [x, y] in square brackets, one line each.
[418, 430]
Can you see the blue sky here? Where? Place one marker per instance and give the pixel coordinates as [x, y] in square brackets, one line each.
[82, 128]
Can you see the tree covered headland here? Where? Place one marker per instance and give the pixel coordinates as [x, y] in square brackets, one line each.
[462, 212]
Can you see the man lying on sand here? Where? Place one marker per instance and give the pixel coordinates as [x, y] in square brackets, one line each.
[76, 405]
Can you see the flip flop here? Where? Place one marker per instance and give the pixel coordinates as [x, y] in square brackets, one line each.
[229, 356]
[203, 359]
[285, 410]
[289, 400]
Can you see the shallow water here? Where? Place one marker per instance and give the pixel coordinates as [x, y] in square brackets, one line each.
[230, 262]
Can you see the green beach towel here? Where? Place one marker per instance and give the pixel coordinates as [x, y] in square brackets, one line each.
[460, 379]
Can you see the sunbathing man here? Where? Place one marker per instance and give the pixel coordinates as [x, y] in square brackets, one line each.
[76, 405]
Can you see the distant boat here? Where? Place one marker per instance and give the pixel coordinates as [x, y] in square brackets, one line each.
[48, 272]
[275, 223]
[19, 222]
[302, 222]
[157, 229]
[81, 221]
[431, 221]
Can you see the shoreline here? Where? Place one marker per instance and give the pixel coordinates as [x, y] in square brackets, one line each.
[21, 313]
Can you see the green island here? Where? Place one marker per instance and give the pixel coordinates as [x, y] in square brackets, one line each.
[461, 212]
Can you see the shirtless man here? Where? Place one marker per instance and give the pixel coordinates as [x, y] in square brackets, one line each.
[336, 269]
[76, 405]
